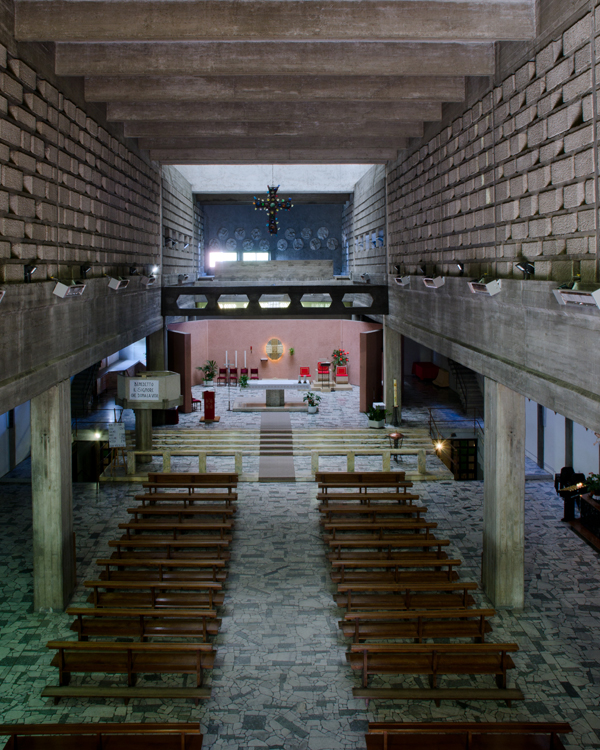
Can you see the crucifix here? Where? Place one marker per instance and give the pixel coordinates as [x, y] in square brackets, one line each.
[272, 204]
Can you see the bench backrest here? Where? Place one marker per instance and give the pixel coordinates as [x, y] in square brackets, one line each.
[213, 477]
[388, 478]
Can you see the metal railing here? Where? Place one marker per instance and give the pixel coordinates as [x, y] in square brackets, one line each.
[91, 422]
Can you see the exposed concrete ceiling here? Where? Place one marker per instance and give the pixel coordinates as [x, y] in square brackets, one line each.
[285, 81]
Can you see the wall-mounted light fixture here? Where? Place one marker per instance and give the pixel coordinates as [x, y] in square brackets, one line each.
[366, 278]
[183, 277]
[577, 297]
[133, 271]
[423, 270]
[170, 241]
[436, 283]
[84, 270]
[186, 245]
[2, 293]
[28, 271]
[461, 269]
[147, 280]
[402, 280]
[155, 270]
[526, 268]
[117, 284]
[74, 289]
[488, 289]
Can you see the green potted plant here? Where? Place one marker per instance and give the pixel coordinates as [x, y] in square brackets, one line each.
[243, 381]
[339, 357]
[593, 484]
[291, 350]
[312, 401]
[209, 370]
[376, 416]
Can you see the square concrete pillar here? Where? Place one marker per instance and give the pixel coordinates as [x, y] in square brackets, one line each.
[504, 496]
[52, 498]
[155, 351]
[392, 370]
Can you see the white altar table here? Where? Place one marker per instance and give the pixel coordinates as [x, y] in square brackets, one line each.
[275, 389]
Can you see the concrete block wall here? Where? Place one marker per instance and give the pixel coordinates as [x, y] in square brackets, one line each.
[367, 248]
[178, 227]
[512, 178]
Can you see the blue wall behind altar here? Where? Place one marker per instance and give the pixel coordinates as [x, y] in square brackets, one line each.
[306, 232]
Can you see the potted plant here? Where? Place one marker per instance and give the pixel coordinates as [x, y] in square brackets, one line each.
[243, 381]
[339, 358]
[376, 416]
[593, 484]
[291, 350]
[209, 370]
[312, 400]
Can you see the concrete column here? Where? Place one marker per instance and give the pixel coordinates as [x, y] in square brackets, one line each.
[52, 498]
[504, 496]
[155, 350]
[392, 364]
[143, 432]
[568, 442]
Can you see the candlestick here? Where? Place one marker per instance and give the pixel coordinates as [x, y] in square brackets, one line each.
[226, 358]
[236, 359]
[395, 392]
[245, 365]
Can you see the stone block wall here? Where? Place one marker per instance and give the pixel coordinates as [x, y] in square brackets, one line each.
[367, 238]
[178, 228]
[512, 178]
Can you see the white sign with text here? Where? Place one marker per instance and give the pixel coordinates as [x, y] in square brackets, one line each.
[116, 435]
[143, 390]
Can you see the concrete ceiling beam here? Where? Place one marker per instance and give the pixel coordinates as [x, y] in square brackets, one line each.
[156, 20]
[339, 155]
[354, 143]
[287, 58]
[339, 112]
[274, 88]
[243, 128]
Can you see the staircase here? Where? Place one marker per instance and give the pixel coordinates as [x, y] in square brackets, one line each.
[82, 391]
[467, 387]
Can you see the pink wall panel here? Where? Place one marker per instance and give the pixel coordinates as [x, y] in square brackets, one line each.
[312, 340]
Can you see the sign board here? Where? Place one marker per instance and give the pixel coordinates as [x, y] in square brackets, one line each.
[143, 389]
[116, 435]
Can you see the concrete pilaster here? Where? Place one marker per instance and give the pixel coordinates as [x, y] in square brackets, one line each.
[155, 351]
[504, 496]
[143, 431]
[52, 498]
[392, 364]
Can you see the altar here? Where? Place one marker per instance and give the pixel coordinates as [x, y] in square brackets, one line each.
[275, 389]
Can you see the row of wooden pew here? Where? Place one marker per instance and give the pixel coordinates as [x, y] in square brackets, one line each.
[160, 589]
[398, 584]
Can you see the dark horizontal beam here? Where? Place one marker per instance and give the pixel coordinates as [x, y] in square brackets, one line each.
[251, 155]
[172, 294]
[247, 199]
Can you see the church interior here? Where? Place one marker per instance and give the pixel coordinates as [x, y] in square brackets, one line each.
[299, 374]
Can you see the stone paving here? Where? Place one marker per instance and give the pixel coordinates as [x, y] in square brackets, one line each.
[281, 679]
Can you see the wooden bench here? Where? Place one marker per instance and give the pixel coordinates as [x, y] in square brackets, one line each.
[139, 527]
[143, 623]
[189, 499]
[94, 736]
[366, 498]
[377, 529]
[191, 481]
[388, 478]
[384, 548]
[420, 625]
[396, 571]
[182, 512]
[131, 659]
[404, 596]
[183, 594]
[370, 512]
[207, 548]
[465, 735]
[434, 660]
[149, 569]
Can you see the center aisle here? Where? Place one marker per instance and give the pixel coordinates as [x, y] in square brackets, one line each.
[281, 679]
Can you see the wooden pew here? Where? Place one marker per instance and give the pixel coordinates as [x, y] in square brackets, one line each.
[392, 571]
[93, 736]
[150, 569]
[182, 513]
[186, 499]
[205, 548]
[465, 735]
[131, 659]
[377, 528]
[418, 625]
[139, 527]
[181, 594]
[382, 548]
[191, 481]
[375, 478]
[434, 660]
[143, 623]
[331, 512]
[405, 596]
[364, 497]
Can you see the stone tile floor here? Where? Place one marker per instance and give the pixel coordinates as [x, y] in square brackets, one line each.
[281, 679]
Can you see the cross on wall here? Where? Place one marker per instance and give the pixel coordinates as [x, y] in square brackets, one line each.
[272, 204]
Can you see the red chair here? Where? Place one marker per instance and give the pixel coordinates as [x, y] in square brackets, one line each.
[304, 374]
[323, 372]
[222, 376]
[341, 374]
[233, 375]
[243, 371]
[254, 373]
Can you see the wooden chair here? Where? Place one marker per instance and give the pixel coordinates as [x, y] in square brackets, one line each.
[222, 376]
[233, 375]
[243, 371]
[254, 373]
[323, 373]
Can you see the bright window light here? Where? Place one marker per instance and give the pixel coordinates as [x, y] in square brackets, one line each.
[256, 256]
[219, 255]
